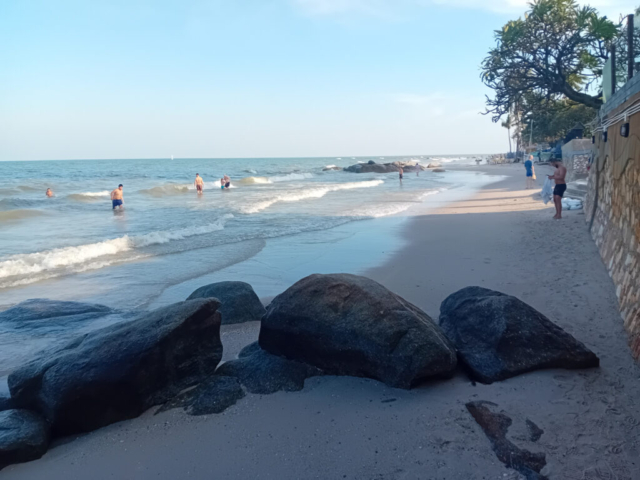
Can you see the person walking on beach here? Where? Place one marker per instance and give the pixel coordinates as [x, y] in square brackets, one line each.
[561, 186]
[401, 173]
[528, 167]
[116, 198]
[199, 183]
[49, 193]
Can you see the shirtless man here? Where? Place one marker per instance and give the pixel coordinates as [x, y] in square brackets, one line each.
[116, 198]
[401, 173]
[561, 186]
[199, 183]
[49, 193]
[227, 181]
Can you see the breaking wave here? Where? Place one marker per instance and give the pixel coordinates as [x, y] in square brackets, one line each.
[93, 255]
[168, 189]
[304, 194]
[290, 177]
[89, 196]
[253, 181]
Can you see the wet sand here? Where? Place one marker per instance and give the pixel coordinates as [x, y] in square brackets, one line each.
[341, 427]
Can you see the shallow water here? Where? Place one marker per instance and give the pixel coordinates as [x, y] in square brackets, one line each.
[282, 219]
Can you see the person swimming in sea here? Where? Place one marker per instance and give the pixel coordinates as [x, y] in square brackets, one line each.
[49, 193]
[227, 181]
[199, 183]
[116, 198]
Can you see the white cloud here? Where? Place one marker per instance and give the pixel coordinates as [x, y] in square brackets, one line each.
[381, 8]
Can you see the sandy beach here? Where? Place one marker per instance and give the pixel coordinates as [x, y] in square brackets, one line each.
[503, 238]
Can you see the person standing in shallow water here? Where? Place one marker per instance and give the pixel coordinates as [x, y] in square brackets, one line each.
[401, 173]
[528, 167]
[49, 193]
[199, 183]
[116, 198]
[561, 186]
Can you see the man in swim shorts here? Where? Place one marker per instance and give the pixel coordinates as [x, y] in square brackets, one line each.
[528, 167]
[561, 186]
[199, 183]
[116, 198]
[401, 173]
[227, 181]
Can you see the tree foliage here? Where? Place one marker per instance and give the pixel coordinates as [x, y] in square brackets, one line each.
[557, 50]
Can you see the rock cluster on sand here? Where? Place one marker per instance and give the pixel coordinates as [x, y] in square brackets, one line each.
[24, 436]
[498, 336]
[336, 324]
[373, 167]
[238, 302]
[350, 325]
[38, 312]
[118, 372]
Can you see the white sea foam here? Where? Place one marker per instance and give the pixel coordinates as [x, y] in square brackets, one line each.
[330, 166]
[78, 258]
[290, 177]
[307, 193]
[88, 196]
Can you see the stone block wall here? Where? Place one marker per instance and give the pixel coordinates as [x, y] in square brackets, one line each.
[612, 208]
[575, 156]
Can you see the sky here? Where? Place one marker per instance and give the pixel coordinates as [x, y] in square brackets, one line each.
[249, 78]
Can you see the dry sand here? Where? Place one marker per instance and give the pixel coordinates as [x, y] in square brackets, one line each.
[502, 238]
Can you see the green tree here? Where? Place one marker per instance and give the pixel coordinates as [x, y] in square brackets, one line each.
[557, 50]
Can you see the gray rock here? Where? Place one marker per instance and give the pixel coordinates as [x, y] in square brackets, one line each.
[212, 396]
[24, 436]
[118, 372]
[434, 165]
[350, 325]
[44, 313]
[263, 373]
[238, 302]
[438, 170]
[372, 168]
[371, 162]
[6, 403]
[498, 336]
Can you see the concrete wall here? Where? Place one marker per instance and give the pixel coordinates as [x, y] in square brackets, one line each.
[612, 207]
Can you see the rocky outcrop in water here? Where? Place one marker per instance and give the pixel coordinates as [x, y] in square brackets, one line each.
[499, 336]
[24, 436]
[350, 325]
[263, 373]
[118, 372]
[238, 302]
[384, 167]
[50, 314]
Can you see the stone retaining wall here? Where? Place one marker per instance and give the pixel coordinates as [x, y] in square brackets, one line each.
[612, 207]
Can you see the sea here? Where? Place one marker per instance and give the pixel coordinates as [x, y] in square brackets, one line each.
[282, 219]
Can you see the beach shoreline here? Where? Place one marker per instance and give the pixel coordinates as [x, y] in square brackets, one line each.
[501, 237]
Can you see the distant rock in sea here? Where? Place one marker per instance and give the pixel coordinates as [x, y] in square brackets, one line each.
[499, 336]
[373, 167]
[350, 325]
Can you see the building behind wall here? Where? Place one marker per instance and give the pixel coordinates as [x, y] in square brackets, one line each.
[612, 204]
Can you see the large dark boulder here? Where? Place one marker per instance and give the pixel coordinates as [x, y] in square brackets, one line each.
[24, 436]
[214, 395]
[117, 372]
[6, 403]
[350, 325]
[238, 302]
[47, 314]
[498, 336]
[263, 373]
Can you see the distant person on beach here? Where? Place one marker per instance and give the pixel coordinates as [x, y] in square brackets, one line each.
[49, 193]
[199, 183]
[561, 186]
[116, 198]
[528, 167]
[227, 181]
[401, 173]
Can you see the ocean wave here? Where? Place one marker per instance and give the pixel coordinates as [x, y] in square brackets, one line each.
[81, 257]
[19, 214]
[168, 189]
[330, 166]
[253, 181]
[88, 196]
[307, 193]
[18, 202]
[290, 177]
[250, 170]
